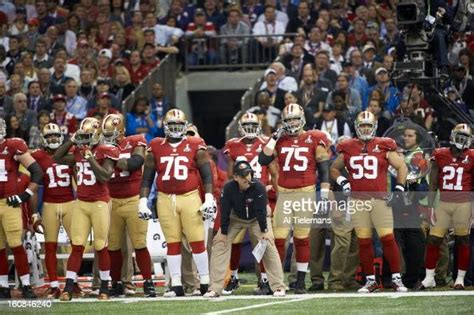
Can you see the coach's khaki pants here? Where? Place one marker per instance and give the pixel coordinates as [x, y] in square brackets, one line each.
[344, 255]
[317, 246]
[220, 257]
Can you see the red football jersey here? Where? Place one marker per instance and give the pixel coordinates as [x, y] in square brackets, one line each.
[296, 158]
[124, 184]
[10, 148]
[454, 174]
[236, 148]
[88, 187]
[176, 164]
[367, 165]
[57, 183]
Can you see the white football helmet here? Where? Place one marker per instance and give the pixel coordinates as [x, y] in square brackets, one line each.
[52, 136]
[89, 132]
[461, 136]
[175, 124]
[293, 118]
[249, 126]
[365, 125]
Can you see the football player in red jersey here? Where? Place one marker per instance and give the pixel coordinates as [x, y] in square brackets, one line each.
[94, 167]
[58, 200]
[13, 152]
[177, 159]
[367, 159]
[247, 148]
[451, 173]
[124, 187]
[299, 155]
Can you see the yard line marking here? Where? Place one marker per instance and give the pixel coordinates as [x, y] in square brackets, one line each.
[238, 309]
[277, 300]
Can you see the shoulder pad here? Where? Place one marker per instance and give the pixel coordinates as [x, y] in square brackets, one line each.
[388, 143]
[18, 145]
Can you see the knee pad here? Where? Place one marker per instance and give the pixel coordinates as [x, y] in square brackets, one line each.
[174, 248]
[435, 240]
[462, 239]
[99, 244]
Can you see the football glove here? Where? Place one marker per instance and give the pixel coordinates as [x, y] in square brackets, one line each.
[209, 208]
[345, 185]
[144, 212]
[398, 198]
[37, 223]
[17, 200]
[279, 133]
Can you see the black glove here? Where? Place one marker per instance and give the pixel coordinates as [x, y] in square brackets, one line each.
[17, 200]
[398, 198]
[279, 133]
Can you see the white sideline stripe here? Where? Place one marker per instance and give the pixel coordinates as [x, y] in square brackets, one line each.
[239, 309]
[267, 297]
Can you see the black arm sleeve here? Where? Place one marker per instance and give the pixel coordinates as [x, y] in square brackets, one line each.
[260, 206]
[36, 174]
[135, 162]
[226, 208]
[264, 159]
[323, 171]
[206, 174]
[148, 177]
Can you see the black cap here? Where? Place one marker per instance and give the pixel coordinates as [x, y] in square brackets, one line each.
[328, 107]
[242, 168]
[347, 63]
[199, 11]
[20, 10]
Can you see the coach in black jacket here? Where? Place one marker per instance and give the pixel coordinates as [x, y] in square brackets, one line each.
[244, 205]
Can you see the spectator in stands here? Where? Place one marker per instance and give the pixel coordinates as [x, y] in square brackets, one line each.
[134, 32]
[52, 36]
[353, 99]
[122, 85]
[15, 85]
[369, 64]
[29, 69]
[32, 35]
[137, 70]
[54, 10]
[44, 79]
[462, 85]
[7, 65]
[413, 92]
[14, 52]
[67, 38]
[75, 104]
[177, 12]
[159, 106]
[388, 61]
[312, 94]
[392, 94]
[280, 16]
[35, 138]
[339, 100]
[466, 59]
[234, 50]
[164, 35]
[265, 109]
[251, 10]
[65, 120]
[103, 86]
[373, 34]
[315, 42]
[268, 25]
[6, 102]
[358, 36]
[213, 14]
[391, 37]
[198, 34]
[291, 98]
[141, 120]
[284, 82]
[14, 129]
[277, 95]
[58, 78]
[150, 60]
[41, 58]
[296, 61]
[105, 67]
[356, 81]
[26, 117]
[81, 54]
[336, 59]
[383, 123]
[36, 102]
[103, 107]
[323, 67]
[19, 25]
[334, 126]
[303, 21]
[408, 110]
[87, 89]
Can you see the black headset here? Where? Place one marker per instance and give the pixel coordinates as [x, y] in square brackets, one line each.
[242, 166]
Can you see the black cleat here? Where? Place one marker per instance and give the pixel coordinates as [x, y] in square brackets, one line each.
[233, 285]
[149, 288]
[316, 287]
[264, 289]
[117, 290]
[204, 288]
[27, 292]
[5, 293]
[300, 287]
[175, 292]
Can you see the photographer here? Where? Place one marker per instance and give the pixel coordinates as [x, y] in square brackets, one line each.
[244, 205]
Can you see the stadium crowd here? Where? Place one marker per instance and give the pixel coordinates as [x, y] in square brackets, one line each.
[63, 62]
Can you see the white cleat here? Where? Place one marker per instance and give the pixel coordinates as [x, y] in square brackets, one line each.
[398, 285]
[211, 294]
[279, 293]
[427, 283]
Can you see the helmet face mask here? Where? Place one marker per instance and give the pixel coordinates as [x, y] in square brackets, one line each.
[249, 126]
[461, 137]
[175, 124]
[112, 128]
[293, 119]
[3, 129]
[52, 136]
[365, 126]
